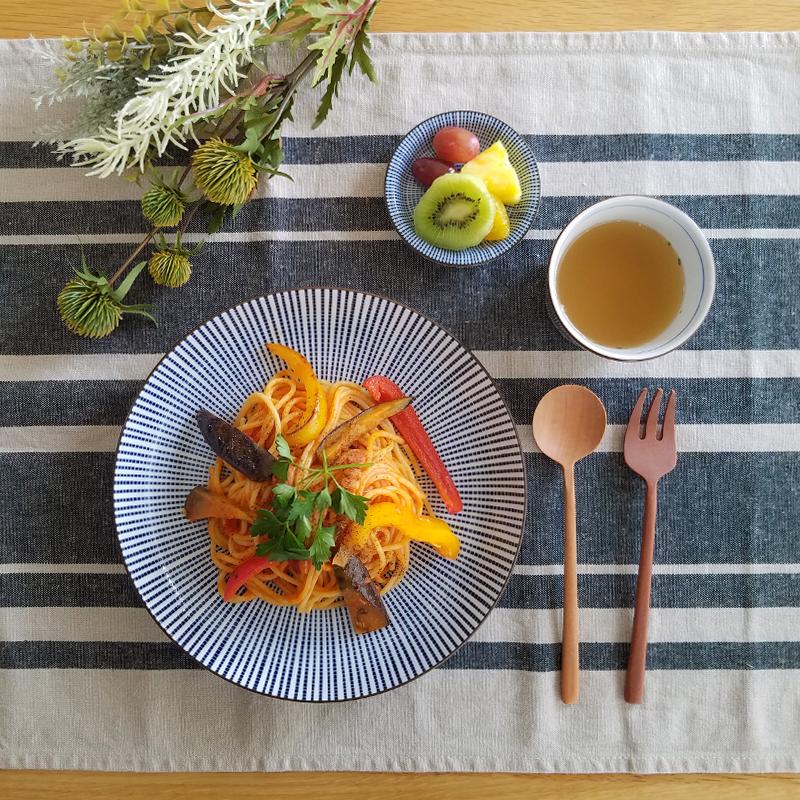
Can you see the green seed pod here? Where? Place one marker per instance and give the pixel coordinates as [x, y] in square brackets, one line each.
[170, 267]
[223, 174]
[163, 205]
[90, 306]
[88, 310]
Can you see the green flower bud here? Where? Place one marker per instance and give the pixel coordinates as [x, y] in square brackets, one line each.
[163, 205]
[91, 307]
[223, 174]
[170, 266]
[87, 310]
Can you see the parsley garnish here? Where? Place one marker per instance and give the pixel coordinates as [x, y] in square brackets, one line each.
[297, 512]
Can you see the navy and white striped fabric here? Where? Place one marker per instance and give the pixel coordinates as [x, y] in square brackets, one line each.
[707, 122]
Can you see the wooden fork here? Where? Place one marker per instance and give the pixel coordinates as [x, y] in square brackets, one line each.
[650, 457]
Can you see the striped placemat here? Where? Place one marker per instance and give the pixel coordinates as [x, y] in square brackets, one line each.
[709, 123]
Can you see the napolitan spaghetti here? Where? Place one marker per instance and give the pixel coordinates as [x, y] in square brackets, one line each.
[372, 462]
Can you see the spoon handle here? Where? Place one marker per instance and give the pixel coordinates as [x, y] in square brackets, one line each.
[570, 664]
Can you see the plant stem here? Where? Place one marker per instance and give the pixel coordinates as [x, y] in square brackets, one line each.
[189, 214]
[133, 255]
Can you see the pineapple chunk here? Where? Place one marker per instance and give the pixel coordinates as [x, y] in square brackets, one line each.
[493, 166]
[501, 226]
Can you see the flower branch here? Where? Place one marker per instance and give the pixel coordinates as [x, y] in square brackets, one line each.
[163, 75]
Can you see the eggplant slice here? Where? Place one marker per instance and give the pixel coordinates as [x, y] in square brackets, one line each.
[341, 437]
[235, 448]
[361, 596]
[203, 504]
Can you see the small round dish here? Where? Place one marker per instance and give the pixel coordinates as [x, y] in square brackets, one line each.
[275, 650]
[403, 191]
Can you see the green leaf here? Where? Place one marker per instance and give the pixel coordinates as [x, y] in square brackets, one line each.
[249, 145]
[300, 33]
[322, 500]
[302, 528]
[277, 551]
[360, 56]
[139, 34]
[284, 494]
[320, 11]
[280, 469]
[303, 506]
[124, 287]
[295, 540]
[353, 506]
[273, 153]
[217, 217]
[282, 446]
[331, 91]
[267, 524]
[142, 310]
[320, 550]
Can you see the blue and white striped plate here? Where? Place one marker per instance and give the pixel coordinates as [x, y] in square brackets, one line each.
[403, 191]
[278, 651]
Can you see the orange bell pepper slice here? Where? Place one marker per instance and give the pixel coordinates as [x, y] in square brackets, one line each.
[315, 416]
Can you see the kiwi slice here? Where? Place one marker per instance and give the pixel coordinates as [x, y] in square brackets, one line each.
[456, 212]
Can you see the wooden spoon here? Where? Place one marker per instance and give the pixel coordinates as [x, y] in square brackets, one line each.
[568, 424]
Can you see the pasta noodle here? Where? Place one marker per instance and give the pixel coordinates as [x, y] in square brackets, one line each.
[390, 475]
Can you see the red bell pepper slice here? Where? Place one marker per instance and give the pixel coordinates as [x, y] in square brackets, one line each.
[410, 428]
[243, 573]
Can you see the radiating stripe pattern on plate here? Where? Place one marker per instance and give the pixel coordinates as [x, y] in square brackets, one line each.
[274, 649]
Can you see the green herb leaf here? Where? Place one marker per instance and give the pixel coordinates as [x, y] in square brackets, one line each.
[284, 494]
[320, 550]
[282, 446]
[280, 469]
[283, 543]
[322, 500]
[302, 528]
[267, 524]
[303, 506]
[276, 551]
[352, 506]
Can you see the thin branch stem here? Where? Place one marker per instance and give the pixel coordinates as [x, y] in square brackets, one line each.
[133, 255]
[189, 214]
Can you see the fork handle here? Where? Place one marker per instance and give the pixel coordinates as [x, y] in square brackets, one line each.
[570, 661]
[637, 660]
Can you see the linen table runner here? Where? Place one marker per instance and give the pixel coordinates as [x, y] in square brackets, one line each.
[709, 122]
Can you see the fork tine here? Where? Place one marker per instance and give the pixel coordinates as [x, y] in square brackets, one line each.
[668, 427]
[635, 422]
[652, 415]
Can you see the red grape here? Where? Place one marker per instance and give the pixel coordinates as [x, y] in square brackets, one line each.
[456, 145]
[427, 170]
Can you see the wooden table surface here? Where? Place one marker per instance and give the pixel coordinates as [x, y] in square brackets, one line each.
[56, 17]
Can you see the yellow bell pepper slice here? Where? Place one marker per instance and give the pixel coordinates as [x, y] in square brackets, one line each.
[431, 530]
[315, 416]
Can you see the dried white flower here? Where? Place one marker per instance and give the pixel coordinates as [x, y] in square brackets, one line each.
[188, 84]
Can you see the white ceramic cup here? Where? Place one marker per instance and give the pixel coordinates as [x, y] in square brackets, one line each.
[688, 242]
